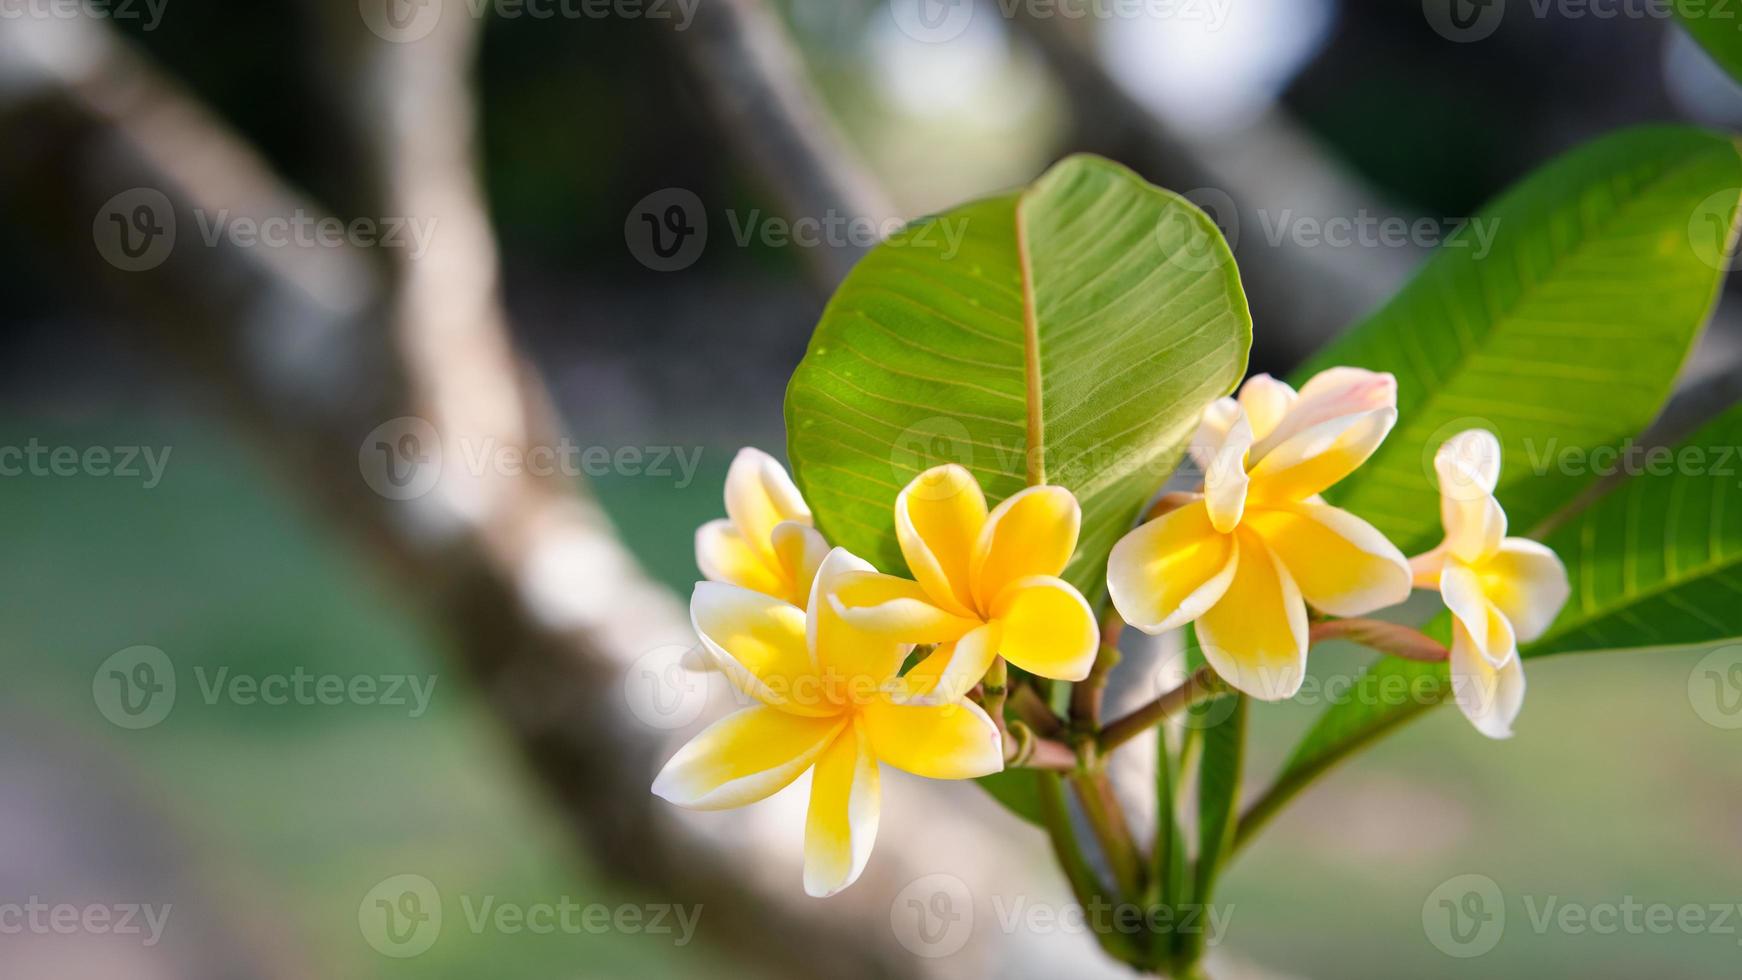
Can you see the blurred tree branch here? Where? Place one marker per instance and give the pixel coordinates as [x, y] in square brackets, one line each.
[756, 84]
[541, 602]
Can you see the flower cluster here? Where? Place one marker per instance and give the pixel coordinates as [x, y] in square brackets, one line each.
[823, 645]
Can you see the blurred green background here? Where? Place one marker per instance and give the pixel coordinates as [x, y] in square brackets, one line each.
[267, 825]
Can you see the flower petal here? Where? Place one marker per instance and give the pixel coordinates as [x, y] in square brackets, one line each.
[744, 757]
[1528, 583]
[1342, 564]
[1256, 635]
[760, 495]
[1048, 628]
[1489, 631]
[1489, 696]
[841, 826]
[723, 555]
[1166, 573]
[1468, 469]
[1338, 392]
[799, 550]
[938, 518]
[952, 670]
[1266, 401]
[761, 646]
[1318, 456]
[849, 657]
[1033, 532]
[894, 607]
[1226, 482]
[941, 741]
[1213, 430]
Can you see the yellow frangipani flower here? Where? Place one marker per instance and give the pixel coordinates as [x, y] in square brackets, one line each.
[1244, 558]
[987, 584]
[829, 701]
[1501, 591]
[766, 542]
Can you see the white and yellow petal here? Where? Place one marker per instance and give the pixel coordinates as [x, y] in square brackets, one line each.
[1335, 393]
[723, 555]
[952, 670]
[1314, 458]
[1528, 583]
[760, 644]
[894, 607]
[744, 757]
[1255, 636]
[937, 741]
[938, 519]
[1267, 402]
[1168, 572]
[1487, 629]
[799, 550]
[1032, 532]
[1213, 430]
[1048, 628]
[849, 658]
[841, 826]
[1226, 482]
[1468, 469]
[759, 495]
[1341, 563]
[1489, 696]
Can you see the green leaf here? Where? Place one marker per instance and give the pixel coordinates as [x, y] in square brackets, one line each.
[1078, 327]
[1219, 773]
[1658, 561]
[1566, 337]
[1019, 791]
[1718, 28]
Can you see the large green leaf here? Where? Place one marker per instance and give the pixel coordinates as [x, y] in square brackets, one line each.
[1565, 337]
[1658, 561]
[1070, 332]
[1717, 25]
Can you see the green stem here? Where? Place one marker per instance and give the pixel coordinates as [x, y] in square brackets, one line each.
[1095, 793]
[1201, 686]
[1084, 884]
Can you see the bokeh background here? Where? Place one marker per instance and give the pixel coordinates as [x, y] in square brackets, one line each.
[265, 549]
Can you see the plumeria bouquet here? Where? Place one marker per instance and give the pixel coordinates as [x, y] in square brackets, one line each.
[1008, 459]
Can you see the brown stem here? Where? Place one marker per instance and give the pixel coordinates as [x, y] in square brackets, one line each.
[1107, 820]
[1201, 686]
[1388, 638]
[1086, 694]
